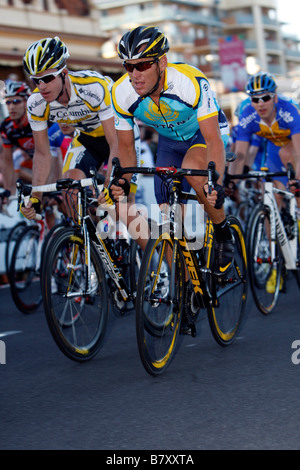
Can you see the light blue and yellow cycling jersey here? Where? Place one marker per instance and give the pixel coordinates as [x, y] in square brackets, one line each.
[186, 99]
[89, 105]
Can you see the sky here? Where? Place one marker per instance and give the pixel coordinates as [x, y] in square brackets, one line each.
[289, 11]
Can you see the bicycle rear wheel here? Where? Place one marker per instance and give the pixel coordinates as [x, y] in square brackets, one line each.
[77, 318]
[265, 277]
[24, 273]
[226, 319]
[159, 302]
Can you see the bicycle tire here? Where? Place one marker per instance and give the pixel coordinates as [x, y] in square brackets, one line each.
[159, 302]
[11, 241]
[297, 271]
[77, 323]
[49, 237]
[243, 212]
[226, 318]
[24, 272]
[121, 307]
[264, 278]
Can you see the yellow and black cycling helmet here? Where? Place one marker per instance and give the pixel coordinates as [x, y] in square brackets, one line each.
[47, 53]
[141, 42]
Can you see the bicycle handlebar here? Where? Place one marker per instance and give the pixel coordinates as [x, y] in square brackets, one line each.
[118, 171]
[25, 190]
[290, 173]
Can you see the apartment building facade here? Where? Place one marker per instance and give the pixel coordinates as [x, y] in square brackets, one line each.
[194, 28]
[92, 29]
[77, 23]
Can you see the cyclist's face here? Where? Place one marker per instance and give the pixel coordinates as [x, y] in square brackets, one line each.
[50, 90]
[265, 109]
[16, 106]
[144, 81]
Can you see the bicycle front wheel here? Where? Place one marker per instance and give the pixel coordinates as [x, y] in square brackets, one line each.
[265, 276]
[24, 272]
[76, 316]
[159, 302]
[226, 317]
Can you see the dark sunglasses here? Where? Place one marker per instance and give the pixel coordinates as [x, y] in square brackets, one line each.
[140, 66]
[264, 98]
[46, 78]
[14, 101]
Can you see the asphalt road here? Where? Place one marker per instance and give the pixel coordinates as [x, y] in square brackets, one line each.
[245, 396]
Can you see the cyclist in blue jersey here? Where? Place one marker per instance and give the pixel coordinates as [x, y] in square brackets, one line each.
[177, 101]
[278, 121]
[274, 118]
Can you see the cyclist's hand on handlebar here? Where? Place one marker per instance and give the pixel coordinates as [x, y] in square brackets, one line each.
[31, 208]
[294, 187]
[106, 197]
[212, 197]
[216, 197]
[118, 189]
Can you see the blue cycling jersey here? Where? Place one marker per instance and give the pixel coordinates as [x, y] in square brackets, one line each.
[286, 123]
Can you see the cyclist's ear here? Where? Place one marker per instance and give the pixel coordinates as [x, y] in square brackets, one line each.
[163, 61]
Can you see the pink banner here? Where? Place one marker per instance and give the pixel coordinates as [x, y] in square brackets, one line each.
[233, 63]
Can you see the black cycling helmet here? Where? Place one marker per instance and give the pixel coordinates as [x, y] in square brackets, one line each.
[155, 42]
[47, 53]
[16, 89]
[261, 82]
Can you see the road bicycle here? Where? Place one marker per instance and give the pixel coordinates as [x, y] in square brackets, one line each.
[250, 196]
[79, 262]
[25, 261]
[273, 241]
[168, 261]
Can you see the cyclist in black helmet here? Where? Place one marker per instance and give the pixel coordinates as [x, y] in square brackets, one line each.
[80, 99]
[177, 101]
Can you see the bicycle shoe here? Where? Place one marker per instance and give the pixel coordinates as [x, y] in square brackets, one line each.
[224, 255]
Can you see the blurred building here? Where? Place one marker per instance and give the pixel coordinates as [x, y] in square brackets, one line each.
[76, 22]
[92, 29]
[194, 28]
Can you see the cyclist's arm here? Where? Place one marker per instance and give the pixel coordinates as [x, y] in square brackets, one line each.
[241, 150]
[296, 144]
[127, 153]
[214, 143]
[252, 152]
[8, 170]
[42, 159]
[112, 140]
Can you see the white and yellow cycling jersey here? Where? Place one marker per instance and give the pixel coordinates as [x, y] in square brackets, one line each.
[185, 100]
[89, 105]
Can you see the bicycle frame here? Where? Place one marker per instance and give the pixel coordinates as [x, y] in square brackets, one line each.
[201, 288]
[288, 247]
[108, 262]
